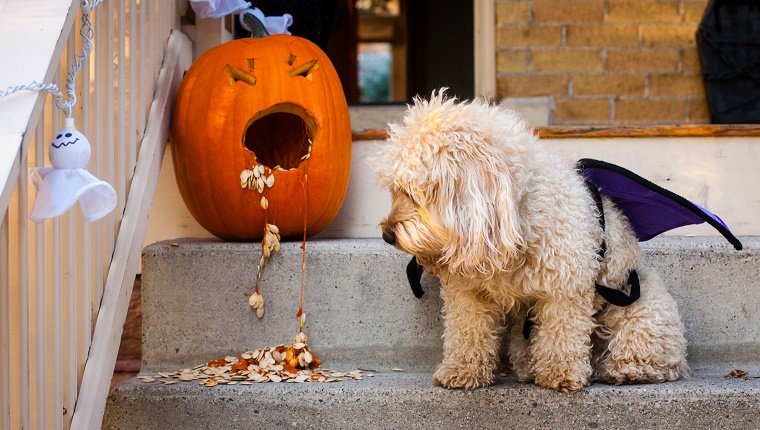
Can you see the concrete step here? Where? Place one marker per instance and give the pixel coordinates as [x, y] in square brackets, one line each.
[361, 312]
[410, 400]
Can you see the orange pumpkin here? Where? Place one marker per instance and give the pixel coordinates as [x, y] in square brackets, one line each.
[271, 101]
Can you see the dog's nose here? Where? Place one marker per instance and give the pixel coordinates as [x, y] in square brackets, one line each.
[389, 236]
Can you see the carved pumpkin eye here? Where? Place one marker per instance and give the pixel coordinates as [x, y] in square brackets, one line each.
[239, 75]
[305, 70]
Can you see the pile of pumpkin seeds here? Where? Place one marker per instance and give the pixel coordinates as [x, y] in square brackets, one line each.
[294, 364]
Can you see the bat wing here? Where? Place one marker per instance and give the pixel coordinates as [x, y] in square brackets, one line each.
[650, 209]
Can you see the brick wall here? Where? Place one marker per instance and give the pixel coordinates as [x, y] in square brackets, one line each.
[603, 61]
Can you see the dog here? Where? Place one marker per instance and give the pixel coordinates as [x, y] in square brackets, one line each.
[513, 234]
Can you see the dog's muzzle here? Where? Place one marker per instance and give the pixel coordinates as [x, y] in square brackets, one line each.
[389, 236]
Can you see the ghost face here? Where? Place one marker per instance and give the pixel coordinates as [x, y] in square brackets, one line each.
[70, 149]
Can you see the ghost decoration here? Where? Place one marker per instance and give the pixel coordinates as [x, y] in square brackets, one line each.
[217, 8]
[68, 181]
[273, 24]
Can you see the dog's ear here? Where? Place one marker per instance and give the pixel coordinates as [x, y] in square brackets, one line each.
[479, 207]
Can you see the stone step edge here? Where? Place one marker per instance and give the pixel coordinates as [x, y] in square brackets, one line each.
[410, 400]
[347, 245]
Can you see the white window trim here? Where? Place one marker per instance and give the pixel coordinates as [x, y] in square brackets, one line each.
[484, 49]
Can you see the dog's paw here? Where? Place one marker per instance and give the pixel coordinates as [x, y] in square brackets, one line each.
[629, 372]
[523, 373]
[564, 380]
[462, 377]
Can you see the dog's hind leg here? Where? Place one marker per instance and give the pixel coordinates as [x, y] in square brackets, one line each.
[518, 348]
[473, 326]
[560, 342]
[645, 340]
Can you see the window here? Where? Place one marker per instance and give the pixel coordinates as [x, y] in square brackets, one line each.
[388, 51]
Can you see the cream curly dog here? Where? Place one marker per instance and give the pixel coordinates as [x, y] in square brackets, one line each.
[513, 233]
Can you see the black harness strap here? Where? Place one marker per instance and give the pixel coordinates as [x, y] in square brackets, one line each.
[594, 191]
[414, 275]
[619, 298]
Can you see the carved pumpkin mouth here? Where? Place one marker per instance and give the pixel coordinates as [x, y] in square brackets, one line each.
[281, 135]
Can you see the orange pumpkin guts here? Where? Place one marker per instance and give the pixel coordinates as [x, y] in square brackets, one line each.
[274, 101]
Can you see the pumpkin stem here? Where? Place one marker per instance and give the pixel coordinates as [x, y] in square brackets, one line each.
[258, 29]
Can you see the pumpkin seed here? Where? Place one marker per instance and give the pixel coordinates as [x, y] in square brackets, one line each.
[256, 300]
[264, 202]
[244, 176]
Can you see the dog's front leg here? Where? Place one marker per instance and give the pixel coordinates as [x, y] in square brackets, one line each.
[473, 326]
[561, 341]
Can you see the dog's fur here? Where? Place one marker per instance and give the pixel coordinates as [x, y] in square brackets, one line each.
[509, 228]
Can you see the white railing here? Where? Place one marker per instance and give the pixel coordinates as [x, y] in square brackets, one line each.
[65, 284]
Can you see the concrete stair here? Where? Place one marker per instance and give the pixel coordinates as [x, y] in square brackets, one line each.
[362, 314]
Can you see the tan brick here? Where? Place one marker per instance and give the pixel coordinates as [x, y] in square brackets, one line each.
[512, 12]
[568, 110]
[568, 11]
[531, 85]
[571, 60]
[651, 111]
[608, 85]
[698, 111]
[691, 61]
[668, 35]
[511, 60]
[642, 11]
[648, 61]
[676, 86]
[523, 36]
[693, 10]
[602, 35]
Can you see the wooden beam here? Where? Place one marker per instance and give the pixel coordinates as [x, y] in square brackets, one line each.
[576, 132]
[695, 130]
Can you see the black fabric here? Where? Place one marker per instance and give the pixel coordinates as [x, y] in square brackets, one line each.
[414, 275]
[594, 191]
[619, 298]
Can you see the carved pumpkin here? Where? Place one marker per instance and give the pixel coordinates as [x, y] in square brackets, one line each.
[271, 101]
